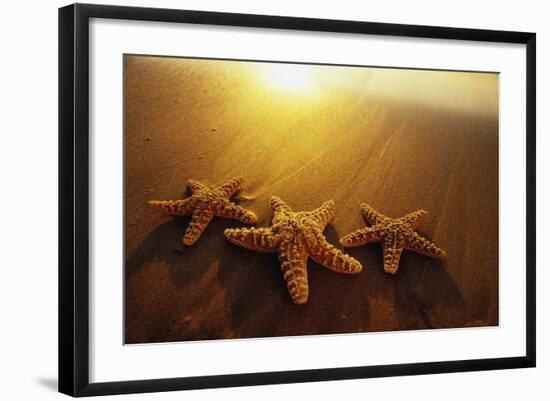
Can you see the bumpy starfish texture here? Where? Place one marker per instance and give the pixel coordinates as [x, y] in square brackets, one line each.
[395, 235]
[205, 203]
[295, 236]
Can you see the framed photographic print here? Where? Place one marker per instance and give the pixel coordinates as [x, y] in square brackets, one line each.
[250, 199]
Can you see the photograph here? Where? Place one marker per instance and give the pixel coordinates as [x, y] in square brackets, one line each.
[280, 199]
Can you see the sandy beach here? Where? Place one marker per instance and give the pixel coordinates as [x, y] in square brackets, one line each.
[400, 140]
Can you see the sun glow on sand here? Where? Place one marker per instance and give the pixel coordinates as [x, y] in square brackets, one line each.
[289, 77]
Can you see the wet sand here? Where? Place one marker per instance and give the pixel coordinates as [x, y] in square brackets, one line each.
[399, 142]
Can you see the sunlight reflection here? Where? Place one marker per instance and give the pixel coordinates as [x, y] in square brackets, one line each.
[289, 77]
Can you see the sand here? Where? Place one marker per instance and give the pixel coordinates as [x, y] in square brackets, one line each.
[399, 140]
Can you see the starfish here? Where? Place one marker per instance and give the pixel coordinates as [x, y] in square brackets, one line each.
[295, 236]
[395, 235]
[205, 203]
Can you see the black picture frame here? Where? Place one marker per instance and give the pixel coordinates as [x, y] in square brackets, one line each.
[74, 198]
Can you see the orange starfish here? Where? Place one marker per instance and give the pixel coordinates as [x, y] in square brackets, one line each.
[395, 235]
[205, 203]
[295, 236]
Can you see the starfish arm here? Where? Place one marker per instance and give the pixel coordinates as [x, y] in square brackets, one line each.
[415, 242]
[414, 218]
[196, 187]
[362, 236]
[174, 207]
[393, 248]
[232, 211]
[332, 258]
[199, 221]
[371, 215]
[324, 214]
[228, 189]
[278, 205]
[293, 260]
[256, 239]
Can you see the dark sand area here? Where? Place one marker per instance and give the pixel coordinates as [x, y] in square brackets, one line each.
[399, 140]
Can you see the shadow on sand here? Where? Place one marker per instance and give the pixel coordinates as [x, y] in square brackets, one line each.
[421, 295]
[256, 295]
[186, 264]
[426, 295]
[256, 302]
